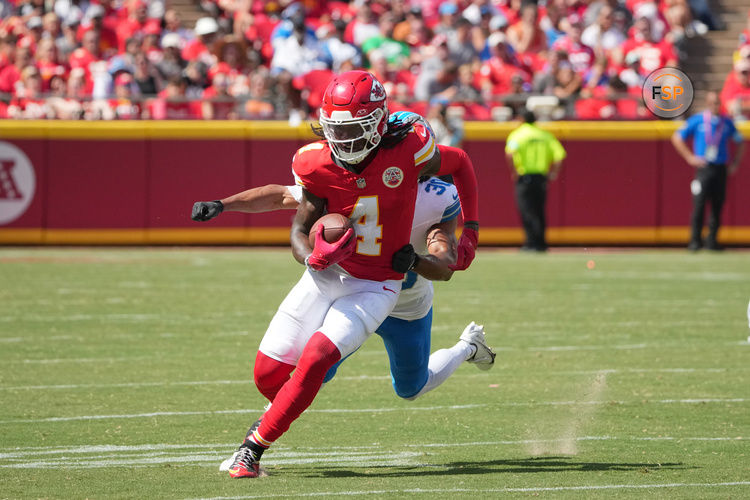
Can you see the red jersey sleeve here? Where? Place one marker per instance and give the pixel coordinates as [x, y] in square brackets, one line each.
[304, 164]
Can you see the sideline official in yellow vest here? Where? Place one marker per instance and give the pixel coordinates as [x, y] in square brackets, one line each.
[533, 156]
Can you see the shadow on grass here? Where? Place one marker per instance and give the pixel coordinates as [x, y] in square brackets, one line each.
[524, 465]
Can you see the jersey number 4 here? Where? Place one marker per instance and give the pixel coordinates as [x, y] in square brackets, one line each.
[366, 217]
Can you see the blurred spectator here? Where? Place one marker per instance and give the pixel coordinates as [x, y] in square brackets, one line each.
[603, 35]
[133, 24]
[172, 64]
[12, 73]
[735, 95]
[94, 20]
[552, 22]
[147, 77]
[496, 74]
[702, 12]
[567, 84]
[580, 55]
[443, 87]
[680, 20]
[525, 35]
[435, 58]
[466, 92]
[199, 48]
[298, 53]
[231, 55]
[173, 26]
[46, 61]
[68, 42]
[336, 51]
[631, 73]
[172, 103]
[596, 77]
[387, 74]
[258, 103]
[412, 30]
[88, 53]
[122, 106]
[28, 103]
[449, 130]
[217, 103]
[745, 35]
[479, 9]
[545, 79]
[448, 12]
[395, 52]
[196, 79]
[361, 27]
[652, 54]
[710, 132]
[608, 103]
[460, 44]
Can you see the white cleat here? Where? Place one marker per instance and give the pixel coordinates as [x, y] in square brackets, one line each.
[226, 464]
[483, 357]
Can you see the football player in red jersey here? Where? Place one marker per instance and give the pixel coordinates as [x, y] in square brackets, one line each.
[351, 285]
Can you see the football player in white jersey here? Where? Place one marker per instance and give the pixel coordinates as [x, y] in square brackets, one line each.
[406, 332]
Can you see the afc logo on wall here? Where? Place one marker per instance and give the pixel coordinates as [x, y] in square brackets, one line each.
[17, 183]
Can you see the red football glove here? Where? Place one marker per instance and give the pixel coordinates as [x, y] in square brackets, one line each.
[467, 246]
[327, 254]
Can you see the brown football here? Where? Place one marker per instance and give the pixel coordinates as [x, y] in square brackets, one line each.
[335, 226]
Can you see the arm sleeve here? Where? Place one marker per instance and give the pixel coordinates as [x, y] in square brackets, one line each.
[558, 151]
[688, 129]
[456, 162]
[454, 205]
[512, 145]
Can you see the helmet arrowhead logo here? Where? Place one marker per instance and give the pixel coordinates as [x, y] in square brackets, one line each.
[377, 93]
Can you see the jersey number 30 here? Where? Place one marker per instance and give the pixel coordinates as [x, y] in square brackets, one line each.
[366, 217]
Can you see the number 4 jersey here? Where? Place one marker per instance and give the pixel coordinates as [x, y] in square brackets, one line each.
[379, 201]
[437, 202]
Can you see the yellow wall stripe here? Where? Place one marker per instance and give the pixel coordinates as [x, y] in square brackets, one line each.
[280, 236]
[280, 130]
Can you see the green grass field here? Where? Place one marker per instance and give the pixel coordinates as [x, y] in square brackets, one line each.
[127, 374]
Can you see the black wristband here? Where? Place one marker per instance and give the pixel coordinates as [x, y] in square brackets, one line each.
[221, 205]
[472, 224]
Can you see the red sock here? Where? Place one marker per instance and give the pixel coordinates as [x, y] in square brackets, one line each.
[295, 396]
[270, 375]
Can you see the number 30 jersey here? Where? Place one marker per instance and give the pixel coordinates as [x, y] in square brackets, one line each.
[379, 201]
[437, 202]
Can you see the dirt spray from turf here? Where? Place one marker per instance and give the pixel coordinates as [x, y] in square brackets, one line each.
[559, 436]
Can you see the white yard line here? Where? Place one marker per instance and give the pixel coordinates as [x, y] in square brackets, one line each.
[32, 451]
[356, 377]
[377, 410]
[210, 455]
[493, 490]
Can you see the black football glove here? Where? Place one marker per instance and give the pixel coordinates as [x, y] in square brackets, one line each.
[206, 210]
[404, 259]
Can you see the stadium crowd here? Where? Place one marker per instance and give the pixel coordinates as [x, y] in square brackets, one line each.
[735, 95]
[131, 59]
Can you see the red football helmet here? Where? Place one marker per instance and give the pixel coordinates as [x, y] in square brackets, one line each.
[354, 115]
